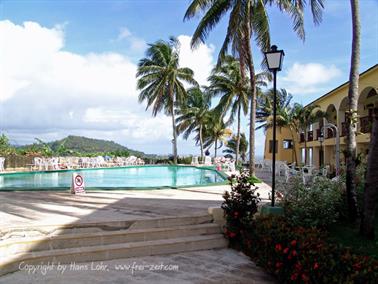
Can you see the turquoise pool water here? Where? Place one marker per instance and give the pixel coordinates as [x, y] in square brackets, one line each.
[112, 178]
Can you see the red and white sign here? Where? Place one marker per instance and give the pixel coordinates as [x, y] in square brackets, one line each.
[78, 185]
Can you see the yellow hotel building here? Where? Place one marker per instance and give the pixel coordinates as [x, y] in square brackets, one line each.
[322, 152]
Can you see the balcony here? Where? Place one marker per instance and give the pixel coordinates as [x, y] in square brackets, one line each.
[310, 135]
[318, 134]
[302, 138]
[365, 124]
[330, 133]
[343, 129]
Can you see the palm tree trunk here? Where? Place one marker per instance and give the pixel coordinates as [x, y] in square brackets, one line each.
[252, 115]
[174, 135]
[351, 123]
[201, 142]
[294, 145]
[238, 137]
[371, 186]
[215, 148]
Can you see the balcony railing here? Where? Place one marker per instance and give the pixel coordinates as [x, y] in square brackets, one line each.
[343, 129]
[310, 135]
[365, 124]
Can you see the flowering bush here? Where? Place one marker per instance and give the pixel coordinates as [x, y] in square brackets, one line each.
[239, 206]
[316, 205]
[302, 255]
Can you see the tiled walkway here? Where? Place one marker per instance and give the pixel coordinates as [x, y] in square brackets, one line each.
[209, 266]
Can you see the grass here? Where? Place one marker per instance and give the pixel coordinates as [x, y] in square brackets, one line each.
[254, 180]
[348, 235]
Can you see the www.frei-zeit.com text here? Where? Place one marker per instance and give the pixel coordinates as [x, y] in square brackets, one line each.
[61, 268]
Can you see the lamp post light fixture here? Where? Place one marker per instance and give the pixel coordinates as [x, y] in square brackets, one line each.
[274, 58]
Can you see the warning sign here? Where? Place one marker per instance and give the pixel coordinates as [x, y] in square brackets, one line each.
[77, 185]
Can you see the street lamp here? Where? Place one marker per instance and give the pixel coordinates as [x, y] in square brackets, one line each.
[274, 60]
[321, 156]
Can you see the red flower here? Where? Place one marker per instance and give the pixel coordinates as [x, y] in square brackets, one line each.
[279, 265]
[357, 266]
[316, 265]
[294, 253]
[305, 278]
[294, 276]
[278, 247]
[286, 250]
[232, 235]
[298, 266]
[293, 243]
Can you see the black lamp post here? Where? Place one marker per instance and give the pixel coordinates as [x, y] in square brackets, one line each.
[274, 60]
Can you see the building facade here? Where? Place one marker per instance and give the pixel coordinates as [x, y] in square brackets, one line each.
[321, 142]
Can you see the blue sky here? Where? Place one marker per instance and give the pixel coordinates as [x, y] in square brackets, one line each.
[103, 40]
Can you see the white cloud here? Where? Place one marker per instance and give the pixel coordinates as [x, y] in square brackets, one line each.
[309, 78]
[200, 60]
[123, 33]
[48, 92]
[136, 44]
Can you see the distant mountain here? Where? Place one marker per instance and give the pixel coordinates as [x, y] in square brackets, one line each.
[89, 145]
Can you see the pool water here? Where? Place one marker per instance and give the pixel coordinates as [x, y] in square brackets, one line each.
[112, 178]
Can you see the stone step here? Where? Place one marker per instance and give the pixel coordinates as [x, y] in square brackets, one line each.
[112, 251]
[44, 230]
[31, 244]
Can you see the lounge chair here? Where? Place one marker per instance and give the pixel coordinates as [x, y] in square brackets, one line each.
[207, 161]
[195, 161]
[2, 162]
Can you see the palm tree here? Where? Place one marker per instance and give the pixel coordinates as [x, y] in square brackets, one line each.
[216, 131]
[194, 115]
[231, 146]
[305, 116]
[160, 80]
[352, 115]
[226, 81]
[246, 19]
[286, 114]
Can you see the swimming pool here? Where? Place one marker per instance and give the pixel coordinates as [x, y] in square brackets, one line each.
[114, 178]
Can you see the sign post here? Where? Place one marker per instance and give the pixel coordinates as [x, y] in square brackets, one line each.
[78, 185]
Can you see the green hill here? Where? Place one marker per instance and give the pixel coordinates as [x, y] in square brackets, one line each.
[84, 145]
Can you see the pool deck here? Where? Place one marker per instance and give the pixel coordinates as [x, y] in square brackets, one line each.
[19, 208]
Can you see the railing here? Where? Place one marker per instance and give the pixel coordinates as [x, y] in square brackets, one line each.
[365, 124]
[343, 129]
[310, 135]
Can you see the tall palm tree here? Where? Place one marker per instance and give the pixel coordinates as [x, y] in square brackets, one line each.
[216, 131]
[226, 81]
[231, 146]
[246, 19]
[160, 81]
[194, 115]
[352, 115]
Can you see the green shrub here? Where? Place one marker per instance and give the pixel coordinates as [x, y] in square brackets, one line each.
[316, 205]
[184, 160]
[303, 255]
[240, 205]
